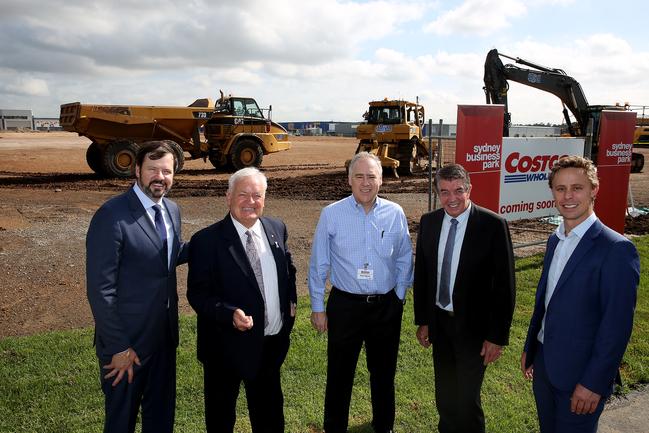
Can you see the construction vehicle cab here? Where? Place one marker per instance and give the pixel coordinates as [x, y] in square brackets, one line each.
[557, 82]
[393, 131]
[239, 134]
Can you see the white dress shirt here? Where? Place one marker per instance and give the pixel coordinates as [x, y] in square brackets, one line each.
[269, 273]
[462, 220]
[564, 249]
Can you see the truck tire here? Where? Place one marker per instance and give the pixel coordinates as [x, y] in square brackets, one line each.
[215, 160]
[246, 153]
[179, 155]
[94, 158]
[406, 156]
[119, 158]
[637, 162]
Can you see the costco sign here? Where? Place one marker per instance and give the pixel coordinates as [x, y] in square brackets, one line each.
[524, 190]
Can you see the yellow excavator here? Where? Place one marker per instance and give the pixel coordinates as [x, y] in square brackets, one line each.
[552, 80]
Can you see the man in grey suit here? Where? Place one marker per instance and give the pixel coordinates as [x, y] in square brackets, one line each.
[133, 246]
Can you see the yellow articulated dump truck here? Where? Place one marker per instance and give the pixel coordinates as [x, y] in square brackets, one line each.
[393, 131]
[235, 133]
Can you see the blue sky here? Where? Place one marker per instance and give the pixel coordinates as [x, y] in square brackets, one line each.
[315, 59]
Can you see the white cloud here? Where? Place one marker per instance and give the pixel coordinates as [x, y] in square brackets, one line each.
[477, 17]
[310, 59]
[26, 86]
[172, 34]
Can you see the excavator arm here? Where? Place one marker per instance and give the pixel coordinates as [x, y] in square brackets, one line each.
[551, 80]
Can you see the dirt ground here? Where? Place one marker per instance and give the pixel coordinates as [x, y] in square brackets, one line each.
[48, 195]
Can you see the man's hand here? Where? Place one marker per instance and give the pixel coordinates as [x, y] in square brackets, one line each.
[319, 321]
[583, 400]
[490, 352]
[241, 321]
[293, 309]
[120, 364]
[422, 336]
[528, 373]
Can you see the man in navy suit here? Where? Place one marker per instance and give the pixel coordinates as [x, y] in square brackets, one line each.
[241, 284]
[583, 315]
[133, 246]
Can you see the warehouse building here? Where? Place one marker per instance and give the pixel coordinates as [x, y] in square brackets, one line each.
[16, 119]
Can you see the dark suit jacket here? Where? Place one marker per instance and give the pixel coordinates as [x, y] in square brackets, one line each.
[129, 284]
[484, 290]
[221, 280]
[590, 315]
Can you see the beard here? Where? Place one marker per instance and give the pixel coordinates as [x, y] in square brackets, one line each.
[152, 193]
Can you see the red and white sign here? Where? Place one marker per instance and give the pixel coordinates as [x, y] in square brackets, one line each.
[478, 149]
[613, 166]
[524, 189]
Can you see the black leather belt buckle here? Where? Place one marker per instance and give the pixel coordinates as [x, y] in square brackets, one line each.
[371, 299]
[446, 312]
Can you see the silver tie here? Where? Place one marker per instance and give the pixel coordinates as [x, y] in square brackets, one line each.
[445, 277]
[255, 262]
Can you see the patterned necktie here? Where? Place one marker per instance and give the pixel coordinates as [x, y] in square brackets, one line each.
[445, 277]
[160, 227]
[255, 262]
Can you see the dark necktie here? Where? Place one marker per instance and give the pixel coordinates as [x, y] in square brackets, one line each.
[255, 262]
[160, 227]
[445, 277]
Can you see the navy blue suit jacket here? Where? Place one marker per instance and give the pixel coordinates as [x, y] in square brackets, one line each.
[220, 280]
[130, 287]
[590, 315]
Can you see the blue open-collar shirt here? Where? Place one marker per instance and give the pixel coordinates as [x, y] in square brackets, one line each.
[347, 239]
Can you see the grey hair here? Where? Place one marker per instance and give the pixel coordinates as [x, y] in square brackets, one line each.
[364, 155]
[452, 172]
[246, 172]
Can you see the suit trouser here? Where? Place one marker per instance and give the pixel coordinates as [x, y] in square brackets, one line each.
[553, 405]
[352, 321]
[153, 387]
[263, 392]
[459, 372]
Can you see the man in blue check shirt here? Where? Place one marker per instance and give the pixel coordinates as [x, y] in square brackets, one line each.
[362, 244]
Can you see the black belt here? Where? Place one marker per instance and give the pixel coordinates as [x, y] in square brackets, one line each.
[445, 312]
[368, 299]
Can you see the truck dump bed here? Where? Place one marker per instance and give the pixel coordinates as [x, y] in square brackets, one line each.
[105, 123]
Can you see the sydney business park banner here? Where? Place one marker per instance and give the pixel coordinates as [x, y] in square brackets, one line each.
[526, 164]
[613, 166]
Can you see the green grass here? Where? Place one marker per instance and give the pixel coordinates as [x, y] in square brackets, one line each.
[49, 382]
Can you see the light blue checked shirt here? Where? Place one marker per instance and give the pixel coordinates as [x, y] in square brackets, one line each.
[347, 240]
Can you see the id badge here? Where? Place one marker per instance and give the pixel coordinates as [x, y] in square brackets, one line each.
[365, 274]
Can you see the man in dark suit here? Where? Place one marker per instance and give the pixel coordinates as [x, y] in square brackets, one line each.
[241, 284]
[133, 246]
[583, 315]
[464, 293]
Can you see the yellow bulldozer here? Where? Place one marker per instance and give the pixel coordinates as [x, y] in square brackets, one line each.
[393, 131]
[236, 132]
[641, 135]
